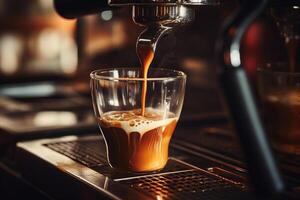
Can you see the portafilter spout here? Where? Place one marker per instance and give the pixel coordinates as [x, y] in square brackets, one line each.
[148, 39]
[158, 19]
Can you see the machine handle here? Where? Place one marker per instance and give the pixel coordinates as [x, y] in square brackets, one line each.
[262, 168]
[71, 9]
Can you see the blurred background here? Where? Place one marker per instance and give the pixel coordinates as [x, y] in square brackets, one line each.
[45, 62]
[38, 45]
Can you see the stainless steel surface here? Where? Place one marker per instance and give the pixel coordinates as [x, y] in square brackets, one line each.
[77, 157]
[80, 172]
[171, 12]
[88, 153]
[191, 184]
[167, 15]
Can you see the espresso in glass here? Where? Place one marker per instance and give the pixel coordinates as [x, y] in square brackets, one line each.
[135, 142]
[137, 116]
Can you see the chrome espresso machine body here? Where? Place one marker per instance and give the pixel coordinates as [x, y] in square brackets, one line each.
[159, 17]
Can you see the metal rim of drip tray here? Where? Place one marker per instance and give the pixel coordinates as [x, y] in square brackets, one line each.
[179, 181]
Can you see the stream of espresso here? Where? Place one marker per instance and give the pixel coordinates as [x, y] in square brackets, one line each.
[146, 56]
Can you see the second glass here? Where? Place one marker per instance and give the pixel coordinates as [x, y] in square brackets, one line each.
[136, 142]
[280, 93]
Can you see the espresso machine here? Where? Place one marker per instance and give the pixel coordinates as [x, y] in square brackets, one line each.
[161, 16]
[81, 161]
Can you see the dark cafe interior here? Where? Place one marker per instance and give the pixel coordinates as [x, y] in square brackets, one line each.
[150, 99]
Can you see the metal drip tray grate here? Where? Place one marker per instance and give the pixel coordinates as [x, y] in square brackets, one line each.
[89, 152]
[191, 184]
[92, 154]
[178, 180]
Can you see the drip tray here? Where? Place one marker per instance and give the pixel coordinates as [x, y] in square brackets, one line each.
[178, 180]
[92, 154]
[190, 184]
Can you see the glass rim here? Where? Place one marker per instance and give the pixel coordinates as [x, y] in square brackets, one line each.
[269, 71]
[177, 75]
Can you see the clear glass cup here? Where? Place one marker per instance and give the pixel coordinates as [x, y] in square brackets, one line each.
[280, 94]
[137, 143]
